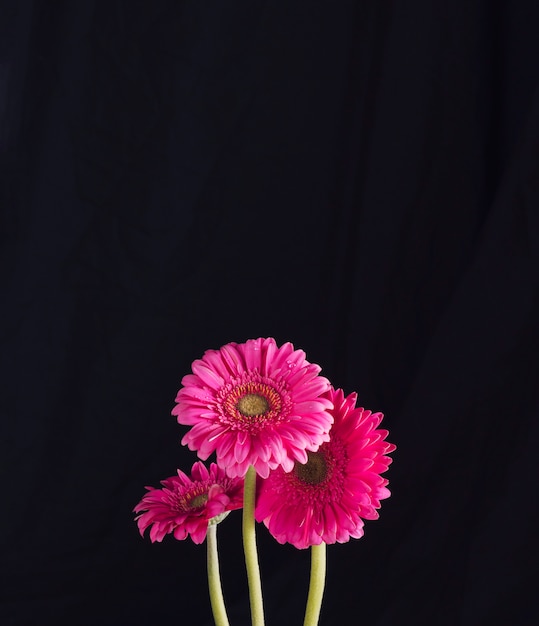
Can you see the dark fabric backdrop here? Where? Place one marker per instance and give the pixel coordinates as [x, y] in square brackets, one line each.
[360, 178]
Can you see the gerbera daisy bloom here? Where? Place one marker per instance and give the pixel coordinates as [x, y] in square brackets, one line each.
[254, 404]
[325, 499]
[186, 505]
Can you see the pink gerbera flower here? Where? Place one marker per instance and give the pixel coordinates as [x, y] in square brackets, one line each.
[325, 499]
[186, 505]
[254, 404]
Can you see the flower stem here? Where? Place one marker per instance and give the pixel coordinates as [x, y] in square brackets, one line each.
[249, 548]
[316, 586]
[214, 579]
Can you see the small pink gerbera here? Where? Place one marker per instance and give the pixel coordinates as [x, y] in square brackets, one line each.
[254, 404]
[186, 505]
[325, 499]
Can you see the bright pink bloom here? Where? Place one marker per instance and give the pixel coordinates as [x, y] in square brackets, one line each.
[254, 404]
[325, 499]
[186, 504]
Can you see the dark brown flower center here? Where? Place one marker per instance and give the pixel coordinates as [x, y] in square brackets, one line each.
[252, 405]
[314, 471]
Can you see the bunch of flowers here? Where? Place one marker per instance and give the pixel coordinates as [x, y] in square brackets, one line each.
[293, 452]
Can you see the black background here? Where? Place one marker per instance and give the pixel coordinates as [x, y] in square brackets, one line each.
[359, 178]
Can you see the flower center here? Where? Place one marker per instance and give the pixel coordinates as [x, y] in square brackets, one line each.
[198, 501]
[314, 471]
[253, 404]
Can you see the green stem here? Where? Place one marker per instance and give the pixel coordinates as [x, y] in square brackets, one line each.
[249, 548]
[214, 579]
[316, 587]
